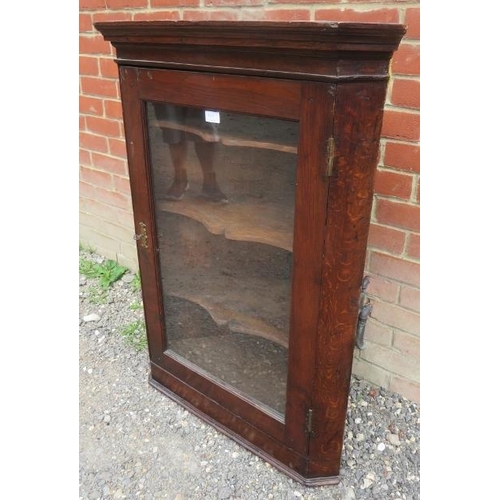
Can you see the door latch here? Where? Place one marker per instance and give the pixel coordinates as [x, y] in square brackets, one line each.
[142, 237]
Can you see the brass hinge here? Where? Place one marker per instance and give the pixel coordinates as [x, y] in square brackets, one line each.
[142, 236]
[330, 156]
[309, 416]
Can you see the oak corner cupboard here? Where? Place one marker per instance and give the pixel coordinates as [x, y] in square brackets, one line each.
[252, 149]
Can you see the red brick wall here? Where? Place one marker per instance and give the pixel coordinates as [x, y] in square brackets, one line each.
[391, 358]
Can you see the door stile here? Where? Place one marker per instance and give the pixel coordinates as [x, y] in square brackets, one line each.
[134, 120]
[317, 108]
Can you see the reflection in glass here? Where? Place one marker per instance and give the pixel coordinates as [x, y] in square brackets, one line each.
[224, 187]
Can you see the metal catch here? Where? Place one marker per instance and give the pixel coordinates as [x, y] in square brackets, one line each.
[142, 236]
[365, 310]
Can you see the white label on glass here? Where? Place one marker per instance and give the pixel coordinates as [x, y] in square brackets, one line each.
[212, 116]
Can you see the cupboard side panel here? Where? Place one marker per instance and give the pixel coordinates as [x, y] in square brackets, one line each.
[142, 200]
[316, 126]
[357, 126]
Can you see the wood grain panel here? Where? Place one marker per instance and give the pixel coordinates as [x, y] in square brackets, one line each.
[358, 119]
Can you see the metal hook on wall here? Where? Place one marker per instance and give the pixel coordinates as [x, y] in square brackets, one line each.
[365, 310]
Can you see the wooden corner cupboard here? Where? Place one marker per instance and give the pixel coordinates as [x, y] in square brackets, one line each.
[252, 149]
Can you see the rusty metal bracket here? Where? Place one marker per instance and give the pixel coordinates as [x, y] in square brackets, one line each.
[365, 310]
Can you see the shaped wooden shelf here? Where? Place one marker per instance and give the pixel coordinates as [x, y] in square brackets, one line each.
[235, 320]
[224, 138]
[228, 282]
[268, 223]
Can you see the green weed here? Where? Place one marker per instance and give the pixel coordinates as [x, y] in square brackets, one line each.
[135, 284]
[136, 306]
[107, 273]
[97, 295]
[135, 334]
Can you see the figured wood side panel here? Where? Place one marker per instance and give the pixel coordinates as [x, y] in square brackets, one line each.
[358, 119]
[316, 126]
[142, 201]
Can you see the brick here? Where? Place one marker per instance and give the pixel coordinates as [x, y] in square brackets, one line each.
[110, 164]
[175, 3]
[396, 214]
[398, 2]
[99, 17]
[113, 214]
[413, 249]
[108, 67]
[406, 93]
[368, 371]
[99, 86]
[85, 22]
[122, 184]
[397, 317]
[231, 3]
[341, 14]
[378, 333]
[410, 298]
[157, 16]
[92, 4]
[393, 184]
[96, 177]
[103, 126]
[86, 190]
[412, 21]
[113, 109]
[82, 123]
[94, 45]
[406, 60]
[407, 388]
[124, 4]
[93, 142]
[112, 229]
[112, 198]
[117, 147]
[286, 15]
[407, 344]
[391, 360]
[383, 288]
[88, 65]
[395, 268]
[210, 15]
[304, 2]
[385, 238]
[103, 244]
[84, 157]
[402, 156]
[401, 125]
[91, 105]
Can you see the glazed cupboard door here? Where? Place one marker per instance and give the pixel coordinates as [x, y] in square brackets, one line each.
[229, 190]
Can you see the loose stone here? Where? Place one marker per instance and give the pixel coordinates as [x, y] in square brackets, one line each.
[91, 317]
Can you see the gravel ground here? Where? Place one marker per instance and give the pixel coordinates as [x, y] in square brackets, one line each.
[136, 443]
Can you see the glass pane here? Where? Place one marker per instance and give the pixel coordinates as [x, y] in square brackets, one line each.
[224, 188]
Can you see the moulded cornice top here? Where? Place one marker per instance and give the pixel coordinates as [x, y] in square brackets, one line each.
[304, 50]
[328, 36]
